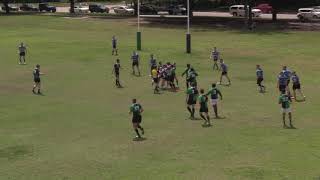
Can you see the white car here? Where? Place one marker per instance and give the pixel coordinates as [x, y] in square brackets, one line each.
[308, 14]
[123, 10]
[239, 10]
[81, 8]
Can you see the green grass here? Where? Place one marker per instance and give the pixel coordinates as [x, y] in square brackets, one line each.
[80, 128]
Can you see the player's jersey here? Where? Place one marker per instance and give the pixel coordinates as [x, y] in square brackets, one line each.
[203, 100]
[215, 55]
[114, 42]
[136, 109]
[153, 62]
[22, 49]
[154, 73]
[36, 73]
[287, 73]
[192, 93]
[295, 79]
[214, 92]
[117, 67]
[282, 79]
[135, 57]
[186, 72]
[259, 73]
[285, 101]
[224, 67]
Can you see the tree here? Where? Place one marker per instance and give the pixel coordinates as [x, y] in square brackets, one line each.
[72, 6]
[6, 6]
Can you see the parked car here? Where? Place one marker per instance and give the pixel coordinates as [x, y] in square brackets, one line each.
[28, 7]
[265, 8]
[239, 10]
[46, 7]
[308, 14]
[123, 10]
[11, 7]
[98, 8]
[175, 10]
[148, 9]
[81, 8]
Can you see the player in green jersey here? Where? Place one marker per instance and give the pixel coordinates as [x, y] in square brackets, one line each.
[136, 110]
[203, 101]
[214, 92]
[285, 101]
[191, 99]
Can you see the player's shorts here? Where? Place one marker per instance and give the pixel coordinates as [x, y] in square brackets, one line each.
[136, 119]
[214, 101]
[191, 102]
[203, 110]
[171, 78]
[259, 80]
[156, 80]
[114, 46]
[135, 63]
[286, 110]
[36, 80]
[224, 73]
[282, 88]
[296, 86]
[22, 53]
[215, 59]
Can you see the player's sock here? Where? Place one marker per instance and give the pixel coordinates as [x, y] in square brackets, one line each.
[141, 128]
[137, 132]
[208, 118]
[189, 109]
[203, 117]
[193, 112]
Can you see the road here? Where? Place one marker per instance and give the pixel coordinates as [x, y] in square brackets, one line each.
[205, 14]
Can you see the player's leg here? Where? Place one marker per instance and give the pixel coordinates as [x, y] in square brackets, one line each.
[221, 78]
[138, 70]
[228, 78]
[24, 58]
[203, 117]
[133, 70]
[135, 127]
[139, 124]
[39, 87]
[290, 119]
[208, 118]
[34, 87]
[190, 110]
[284, 119]
[193, 110]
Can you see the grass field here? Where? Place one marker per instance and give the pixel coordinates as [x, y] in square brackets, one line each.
[80, 128]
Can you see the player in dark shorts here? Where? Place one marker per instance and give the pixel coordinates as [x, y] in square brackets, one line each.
[214, 92]
[282, 82]
[285, 101]
[136, 110]
[155, 80]
[203, 101]
[175, 75]
[116, 72]
[191, 100]
[186, 72]
[259, 74]
[192, 77]
[296, 86]
[114, 46]
[135, 62]
[224, 73]
[36, 79]
[215, 55]
[22, 50]
[152, 62]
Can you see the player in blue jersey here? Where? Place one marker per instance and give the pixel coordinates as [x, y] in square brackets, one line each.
[135, 62]
[114, 45]
[259, 74]
[296, 86]
[224, 73]
[215, 55]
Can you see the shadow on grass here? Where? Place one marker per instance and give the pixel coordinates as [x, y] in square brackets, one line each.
[139, 139]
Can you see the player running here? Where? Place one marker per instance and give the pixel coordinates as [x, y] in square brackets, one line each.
[186, 72]
[214, 92]
[296, 86]
[136, 110]
[114, 46]
[155, 80]
[191, 99]
[285, 100]
[116, 72]
[22, 50]
[135, 62]
[203, 101]
[224, 73]
[259, 73]
[215, 55]
[36, 79]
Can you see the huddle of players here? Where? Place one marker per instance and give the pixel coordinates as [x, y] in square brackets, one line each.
[165, 75]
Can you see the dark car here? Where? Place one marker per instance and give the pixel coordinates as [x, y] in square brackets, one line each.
[47, 8]
[175, 10]
[148, 9]
[11, 8]
[28, 7]
[265, 8]
[98, 8]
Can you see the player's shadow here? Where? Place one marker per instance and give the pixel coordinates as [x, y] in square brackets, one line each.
[37, 94]
[300, 100]
[195, 119]
[290, 127]
[206, 125]
[120, 87]
[220, 117]
[139, 139]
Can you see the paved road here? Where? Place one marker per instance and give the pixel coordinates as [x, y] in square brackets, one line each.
[206, 14]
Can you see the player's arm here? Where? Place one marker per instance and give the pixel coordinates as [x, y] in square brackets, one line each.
[184, 73]
[280, 100]
[130, 111]
[141, 109]
[220, 94]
